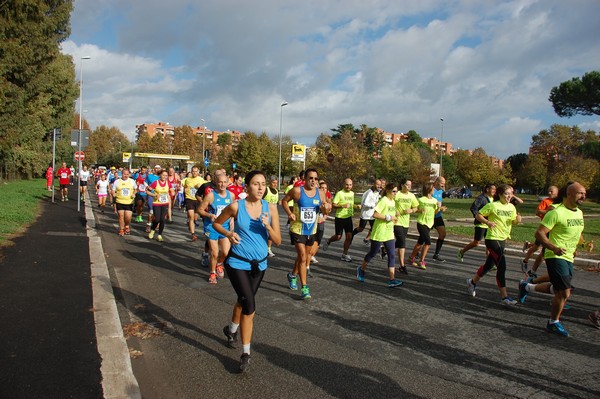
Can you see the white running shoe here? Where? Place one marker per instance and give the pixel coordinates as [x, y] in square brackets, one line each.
[346, 258]
[313, 260]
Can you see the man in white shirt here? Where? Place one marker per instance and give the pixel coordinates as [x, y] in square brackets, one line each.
[367, 208]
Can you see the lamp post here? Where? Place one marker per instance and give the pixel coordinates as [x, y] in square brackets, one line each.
[441, 143]
[203, 142]
[87, 57]
[283, 104]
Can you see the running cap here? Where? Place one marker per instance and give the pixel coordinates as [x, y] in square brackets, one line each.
[157, 167]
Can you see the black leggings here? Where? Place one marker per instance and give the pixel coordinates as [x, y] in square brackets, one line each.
[245, 286]
[160, 215]
[495, 258]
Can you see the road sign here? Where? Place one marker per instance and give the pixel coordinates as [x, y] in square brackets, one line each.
[206, 162]
[126, 157]
[79, 155]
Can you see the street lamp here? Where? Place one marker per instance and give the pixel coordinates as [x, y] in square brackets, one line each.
[86, 57]
[441, 143]
[203, 143]
[283, 104]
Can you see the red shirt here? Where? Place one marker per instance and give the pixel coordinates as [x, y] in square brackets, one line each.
[299, 183]
[236, 190]
[63, 175]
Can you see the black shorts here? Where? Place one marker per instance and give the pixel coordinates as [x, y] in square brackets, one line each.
[191, 205]
[302, 239]
[320, 232]
[424, 237]
[400, 232]
[480, 233]
[82, 183]
[140, 197]
[125, 207]
[560, 272]
[438, 222]
[363, 223]
[342, 225]
[64, 186]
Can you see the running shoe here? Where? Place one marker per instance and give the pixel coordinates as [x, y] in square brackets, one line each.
[526, 245]
[220, 270]
[524, 266]
[471, 288]
[245, 363]
[205, 260]
[459, 256]
[159, 238]
[67, 199]
[148, 228]
[151, 234]
[395, 283]
[292, 281]
[383, 253]
[313, 260]
[346, 258]
[194, 237]
[412, 261]
[438, 258]
[360, 274]
[305, 292]
[493, 268]
[403, 269]
[127, 231]
[522, 291]
[271, 254]
[595, 319]
[62, 199]
[366, 242]
[326, 245]
[213, 278]
[508, 301]
[557, 328]
[533, 275]
[170, 221]
[308, 273]
[140, 219]
[423, 265]
[231, 337]
[121, 233]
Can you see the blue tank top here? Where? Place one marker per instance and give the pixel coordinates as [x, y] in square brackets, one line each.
[253, 238]
[219, 203]
[438, 195]
[307, 214]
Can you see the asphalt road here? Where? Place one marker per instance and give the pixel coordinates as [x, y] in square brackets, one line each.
[428, 339]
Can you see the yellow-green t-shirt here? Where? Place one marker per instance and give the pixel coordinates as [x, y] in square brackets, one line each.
[189, 186]
[124, 191]
[427, 209]
[287, 190]
[270, 197]
[404, 202]
[565, 226]
[501, 214]
[344, 197]
[384, 231]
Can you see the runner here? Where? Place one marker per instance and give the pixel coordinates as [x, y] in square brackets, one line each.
[438, 221]
[320, 224]
[191, 186]
[255, 222]
[206, 188]
[141, 196]
[369, 200]
[480, 228]
[173, 180]
[84, 176]
[308, 201]
[561, 233]
[102, 191]
[71, 175]
[499, 216]
[544, 206]
[63, 173]
[272, 197]
[237, 188]
[124, 192]
[211, 207]
[49, 177]
[426, 210]
[160, 191]
[383, 233]
[343, 203]
[406, 203]
[151, 178]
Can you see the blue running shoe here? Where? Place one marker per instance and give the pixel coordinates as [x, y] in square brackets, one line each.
[395, 283]
[360, 275]
[522, 291]
[305, 292]
[557, 329]
[293, 281]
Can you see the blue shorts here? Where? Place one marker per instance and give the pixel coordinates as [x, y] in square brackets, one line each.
[211, 233]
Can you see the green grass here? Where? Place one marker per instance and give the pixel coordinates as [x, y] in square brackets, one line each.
[459, 209]
[19, 205]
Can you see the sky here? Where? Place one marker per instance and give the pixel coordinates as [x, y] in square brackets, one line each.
[485, 67]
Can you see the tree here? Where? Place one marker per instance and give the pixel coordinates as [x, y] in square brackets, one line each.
[224, 140]
[577, 96]
[399, 161]
[106, 146]
[534, 173]
[516, 162]
[584, 171]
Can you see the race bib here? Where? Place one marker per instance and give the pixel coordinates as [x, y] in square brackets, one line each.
[63, 175]
[125, 192]
[193, 191]
[142, 188]
[220, 209]
[163, 198]
[308, 215]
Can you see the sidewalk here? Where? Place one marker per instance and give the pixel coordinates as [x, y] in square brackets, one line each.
[48, 346]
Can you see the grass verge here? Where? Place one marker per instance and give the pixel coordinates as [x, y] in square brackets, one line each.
[19, 206]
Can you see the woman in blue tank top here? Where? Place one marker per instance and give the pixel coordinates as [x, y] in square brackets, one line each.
[256, 222]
